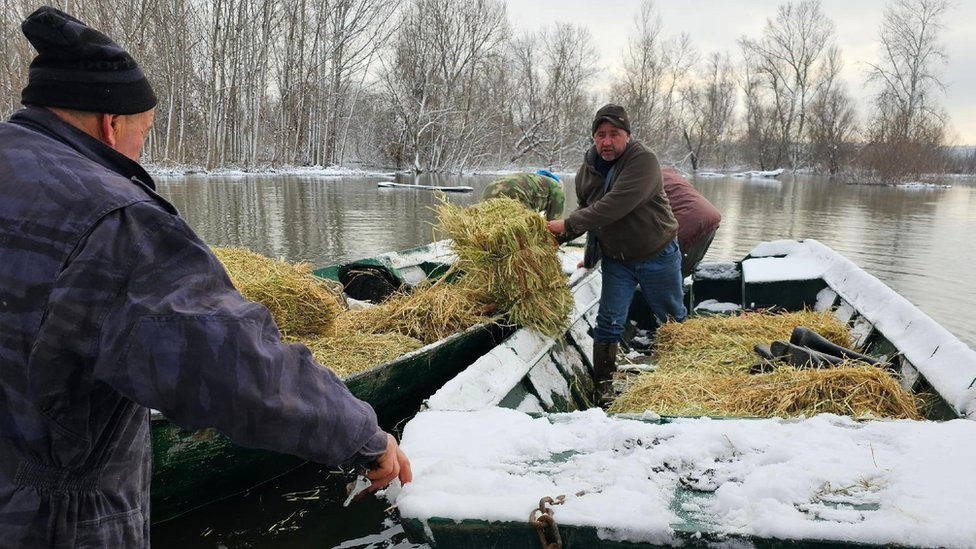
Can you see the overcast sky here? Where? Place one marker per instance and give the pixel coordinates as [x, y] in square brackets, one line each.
[716, 25]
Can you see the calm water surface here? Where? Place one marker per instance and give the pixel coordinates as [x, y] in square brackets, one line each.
[917, 241]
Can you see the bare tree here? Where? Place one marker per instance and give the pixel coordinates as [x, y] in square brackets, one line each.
[552, 107]
[653, 68]
[832, 124]
[709, 113]
[788, 57]
[761, 144]
[442, 59]
[17, 55]
[907, 72]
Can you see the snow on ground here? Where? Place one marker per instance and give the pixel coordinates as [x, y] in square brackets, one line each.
[311, 171]
[822, 478]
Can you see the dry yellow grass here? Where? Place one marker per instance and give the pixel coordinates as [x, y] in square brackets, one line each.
[429, 313]
[853, 389]
[703, 369]
[724, 344]
[506, 252]
[351, 353]
[300, 302]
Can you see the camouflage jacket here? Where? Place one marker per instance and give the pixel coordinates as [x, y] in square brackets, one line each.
[538, 192]
[111, 305]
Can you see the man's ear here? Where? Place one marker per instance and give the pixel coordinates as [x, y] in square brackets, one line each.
[107, 126]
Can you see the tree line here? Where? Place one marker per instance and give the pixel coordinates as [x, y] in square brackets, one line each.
[450, 86]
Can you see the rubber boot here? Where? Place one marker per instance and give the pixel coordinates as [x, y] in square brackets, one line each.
[803, 357]
[604, 365]
[808, 338]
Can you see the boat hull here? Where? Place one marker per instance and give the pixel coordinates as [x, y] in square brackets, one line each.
[195, 468]
[544, 376]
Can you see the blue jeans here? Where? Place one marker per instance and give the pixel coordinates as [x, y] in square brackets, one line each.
[660, 281]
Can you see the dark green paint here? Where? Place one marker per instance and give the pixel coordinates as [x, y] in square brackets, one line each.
[192, 469]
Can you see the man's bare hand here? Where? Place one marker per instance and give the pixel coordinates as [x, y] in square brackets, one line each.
[556, 226]
[392, 464]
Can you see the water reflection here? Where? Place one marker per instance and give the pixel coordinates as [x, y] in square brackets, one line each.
[914, 240]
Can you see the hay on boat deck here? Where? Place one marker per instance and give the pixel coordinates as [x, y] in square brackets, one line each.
[852, 388]
[505, 250]
[300, 302]
[349, 353]
[429, 313]
[703, 369]
[724, 344]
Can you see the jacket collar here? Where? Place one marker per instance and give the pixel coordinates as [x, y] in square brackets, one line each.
[46, 122]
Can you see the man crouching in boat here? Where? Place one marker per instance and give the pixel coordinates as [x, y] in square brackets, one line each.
[623, 205]
[110, 305]
[541, 191]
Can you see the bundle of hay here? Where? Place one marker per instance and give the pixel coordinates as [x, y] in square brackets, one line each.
[505, 250]
[300, 302]
[853, 389]
[350, 353]
[429, 313]
[723, 344]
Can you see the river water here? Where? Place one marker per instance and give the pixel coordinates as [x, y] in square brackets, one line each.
[916, 240]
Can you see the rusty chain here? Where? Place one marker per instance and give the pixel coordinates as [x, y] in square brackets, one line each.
[544, 523]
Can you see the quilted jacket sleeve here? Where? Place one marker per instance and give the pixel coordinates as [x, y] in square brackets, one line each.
[179, 338]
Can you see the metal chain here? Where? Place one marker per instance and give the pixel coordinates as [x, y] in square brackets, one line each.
[542, 520]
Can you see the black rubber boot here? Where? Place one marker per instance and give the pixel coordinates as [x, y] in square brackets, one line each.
[604, 365]
[803, 357]
[808, 338]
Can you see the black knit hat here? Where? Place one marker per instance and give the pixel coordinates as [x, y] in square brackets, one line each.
[614, 114]
[78, 67]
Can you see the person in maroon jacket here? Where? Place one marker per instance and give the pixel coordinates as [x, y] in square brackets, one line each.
[698, 219]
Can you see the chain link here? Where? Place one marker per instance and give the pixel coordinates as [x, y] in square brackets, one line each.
[545, 524]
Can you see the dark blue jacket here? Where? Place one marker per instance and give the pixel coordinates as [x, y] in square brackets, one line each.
[110, 305]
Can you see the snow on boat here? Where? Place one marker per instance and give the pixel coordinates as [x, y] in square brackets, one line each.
[508, 455]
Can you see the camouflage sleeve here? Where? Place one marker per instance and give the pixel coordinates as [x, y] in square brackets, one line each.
[557, 201]
[179, 338]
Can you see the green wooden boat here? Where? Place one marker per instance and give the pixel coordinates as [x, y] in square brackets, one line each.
[192, 469]
[530, 378]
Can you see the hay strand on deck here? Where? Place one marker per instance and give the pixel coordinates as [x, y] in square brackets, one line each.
[506, 251]
[300, 302]
[703, 369]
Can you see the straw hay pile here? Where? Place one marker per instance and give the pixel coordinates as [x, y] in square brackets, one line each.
[704, 363]
[506, 252]
[430, 313]
[300, 302]
[507, 264]
[724, 344]
[349, 353]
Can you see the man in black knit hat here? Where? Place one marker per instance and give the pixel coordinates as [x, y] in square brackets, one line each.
[110, 305]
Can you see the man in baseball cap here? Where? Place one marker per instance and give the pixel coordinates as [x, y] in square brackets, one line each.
[631, 230]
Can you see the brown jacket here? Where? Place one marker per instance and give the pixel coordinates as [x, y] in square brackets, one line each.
[633, 221]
